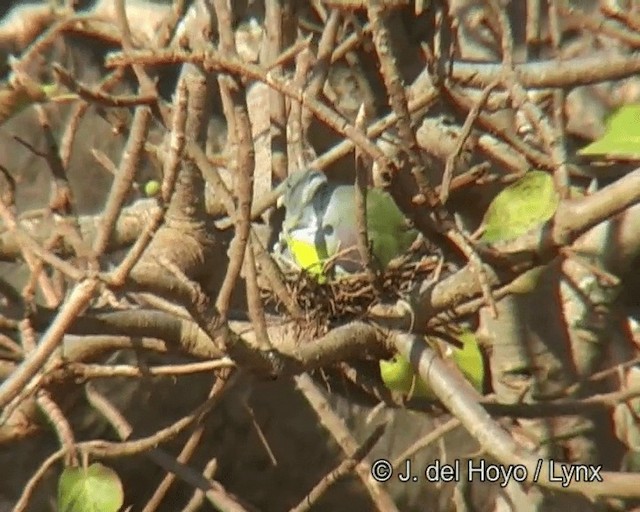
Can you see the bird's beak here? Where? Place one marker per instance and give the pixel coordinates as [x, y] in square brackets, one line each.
[280, 201]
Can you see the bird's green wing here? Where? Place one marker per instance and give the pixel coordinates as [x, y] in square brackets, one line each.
[388, 229]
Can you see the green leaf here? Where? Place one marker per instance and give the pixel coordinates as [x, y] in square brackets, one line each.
[398, 375]
[520, 207]
[469, 359]
[621, 137]
[151, 188]
[93, 489]
[528, 281]
[16, 98]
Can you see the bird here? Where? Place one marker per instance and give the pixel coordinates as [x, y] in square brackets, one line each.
[320, 223]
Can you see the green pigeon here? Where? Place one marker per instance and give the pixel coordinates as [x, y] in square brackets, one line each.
[321, 222]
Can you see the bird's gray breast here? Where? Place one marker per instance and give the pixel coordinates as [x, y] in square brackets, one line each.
[339, 226]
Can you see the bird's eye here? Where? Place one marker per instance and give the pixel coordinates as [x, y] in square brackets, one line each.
[327, 229]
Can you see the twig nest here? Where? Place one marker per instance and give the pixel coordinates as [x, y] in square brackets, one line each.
[340, 299]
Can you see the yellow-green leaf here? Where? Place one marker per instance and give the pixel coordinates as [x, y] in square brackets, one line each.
[520, 207]
[93, 489]
[151, 188]
[469, 359]
[398, 375]
[622, 135]
[528, 281]
[14, 98]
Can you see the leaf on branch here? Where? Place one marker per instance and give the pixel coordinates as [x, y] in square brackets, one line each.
[93, 489]
[14, 98]
[398, 375]
[520, 207]
[152, 188]
[621, 138]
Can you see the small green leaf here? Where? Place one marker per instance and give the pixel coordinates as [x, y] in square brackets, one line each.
[93, 489]
[520, 207]
[469, 359]
[528, 281]
[151, 188]
[621, 137]
[398, 375]
[14, 98]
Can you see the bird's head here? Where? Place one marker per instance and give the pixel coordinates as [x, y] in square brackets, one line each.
[299, 192]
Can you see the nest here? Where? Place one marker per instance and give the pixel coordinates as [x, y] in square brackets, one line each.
[339, 300]
[351, 297]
